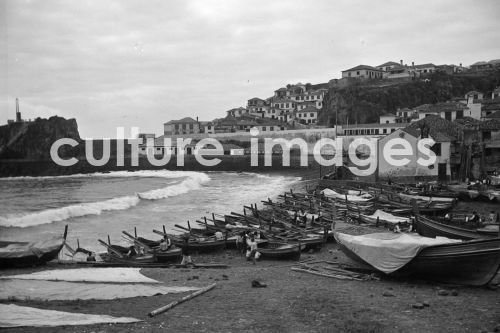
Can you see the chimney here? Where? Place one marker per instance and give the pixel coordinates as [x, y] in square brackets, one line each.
[401, 62]
[196, 118]
[460, 64]
[413, 64]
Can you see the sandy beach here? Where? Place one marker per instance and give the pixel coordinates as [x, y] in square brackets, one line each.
[291, 302]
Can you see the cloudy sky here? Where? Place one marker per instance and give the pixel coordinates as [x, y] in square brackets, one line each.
[142, 63]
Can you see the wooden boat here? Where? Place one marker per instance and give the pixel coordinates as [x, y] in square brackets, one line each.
[394, 201]
[196, 244]
[464, 191]
[473, 262]
[491, 194]
[430, 228]
[383, 218]
[25, 254]
[491, 230]
[426, 199]
[280, 251]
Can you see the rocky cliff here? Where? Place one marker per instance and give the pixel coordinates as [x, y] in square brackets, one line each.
[32, 140]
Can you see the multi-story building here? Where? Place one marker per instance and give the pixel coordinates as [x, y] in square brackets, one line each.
[309, 115]
[182, 127]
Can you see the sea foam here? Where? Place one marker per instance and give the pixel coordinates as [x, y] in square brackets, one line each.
[192, 181]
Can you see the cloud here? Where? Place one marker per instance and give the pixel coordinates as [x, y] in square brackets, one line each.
[130, 63]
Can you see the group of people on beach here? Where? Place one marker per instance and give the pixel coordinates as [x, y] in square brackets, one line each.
[247, 243]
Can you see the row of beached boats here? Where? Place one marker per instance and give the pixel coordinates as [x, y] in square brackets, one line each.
[305, 221]
[462, 255]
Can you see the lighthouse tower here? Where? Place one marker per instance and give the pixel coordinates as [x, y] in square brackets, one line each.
[18, 113]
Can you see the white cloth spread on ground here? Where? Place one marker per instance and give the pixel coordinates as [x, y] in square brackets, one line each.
[94, 274]
[386, 217]
[388, 252]
[12, 315]
[355, 198]
[50, 290]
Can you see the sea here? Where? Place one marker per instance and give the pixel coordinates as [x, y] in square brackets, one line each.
[101, 204]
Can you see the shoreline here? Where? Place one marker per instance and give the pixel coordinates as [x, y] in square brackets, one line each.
[291, 302]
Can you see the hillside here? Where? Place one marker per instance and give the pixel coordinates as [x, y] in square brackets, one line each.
[364, 102]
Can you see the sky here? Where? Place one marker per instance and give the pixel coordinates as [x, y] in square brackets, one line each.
[142, 63]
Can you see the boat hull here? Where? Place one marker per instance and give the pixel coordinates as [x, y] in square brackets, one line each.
[171, 255]
[281, 251]
[429, 228]
[473, 263]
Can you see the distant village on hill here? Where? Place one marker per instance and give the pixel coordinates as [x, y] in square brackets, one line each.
[466, 128]
[297, 106]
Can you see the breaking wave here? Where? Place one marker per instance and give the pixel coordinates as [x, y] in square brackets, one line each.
[192, 181]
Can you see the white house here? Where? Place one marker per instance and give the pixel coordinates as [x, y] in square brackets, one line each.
[441, 169]
[388, 118]
[363, 72]
[309, 115]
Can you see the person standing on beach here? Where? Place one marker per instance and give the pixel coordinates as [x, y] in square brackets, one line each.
[252, 249]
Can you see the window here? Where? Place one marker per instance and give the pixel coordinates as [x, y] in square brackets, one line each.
[387, 121]
[312, 114]
[384, 131]
[377, 131]
[392, 130]
[447, 115]
[460, 114]
[357, 73]
[271, 128]
[176, 126]
[191, 126]
[486, 135]
[263, 128]
[436, 149]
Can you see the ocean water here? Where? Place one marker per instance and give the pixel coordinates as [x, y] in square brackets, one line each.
[101, 204]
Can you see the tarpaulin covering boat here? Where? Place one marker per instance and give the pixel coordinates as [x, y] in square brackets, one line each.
[386, 251]
[473, 262]
[22, 254]
[383, 217]
[350, 197]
